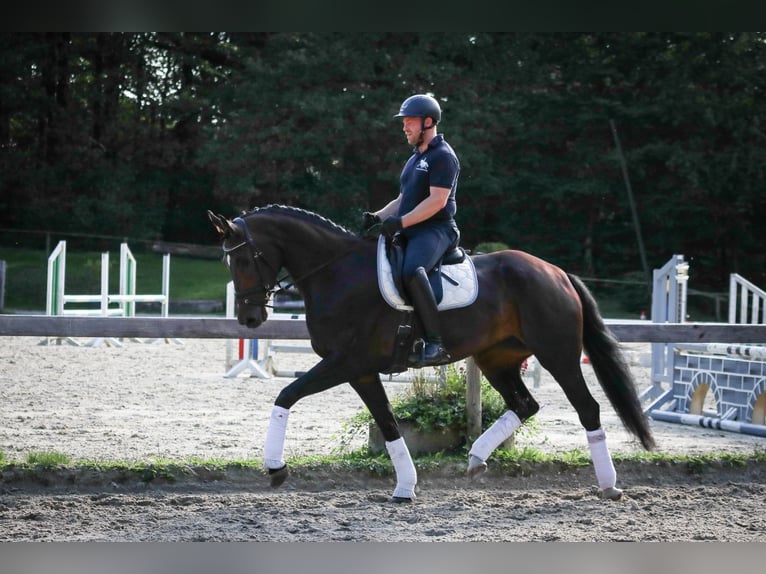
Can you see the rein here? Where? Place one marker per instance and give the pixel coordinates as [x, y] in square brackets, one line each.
[314, 271]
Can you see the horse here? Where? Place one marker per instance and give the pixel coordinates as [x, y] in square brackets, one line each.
[525, 306]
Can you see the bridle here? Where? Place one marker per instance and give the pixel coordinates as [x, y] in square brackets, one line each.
[265, 290]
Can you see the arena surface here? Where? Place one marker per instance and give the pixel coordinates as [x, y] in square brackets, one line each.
[170, 401]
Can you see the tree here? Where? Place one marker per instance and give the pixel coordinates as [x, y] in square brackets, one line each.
[141, 133]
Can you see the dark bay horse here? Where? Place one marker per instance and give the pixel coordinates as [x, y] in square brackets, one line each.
[525, 307]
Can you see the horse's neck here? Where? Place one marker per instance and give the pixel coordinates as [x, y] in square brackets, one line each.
[308, 250]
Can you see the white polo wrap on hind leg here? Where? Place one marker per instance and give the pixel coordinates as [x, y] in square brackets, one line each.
[500, 431]
[406, 475]
[606, 475]
[274, 446]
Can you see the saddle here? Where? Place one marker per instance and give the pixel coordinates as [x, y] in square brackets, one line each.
[453, 280]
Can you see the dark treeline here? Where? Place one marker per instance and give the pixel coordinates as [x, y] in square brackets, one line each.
[139, 134]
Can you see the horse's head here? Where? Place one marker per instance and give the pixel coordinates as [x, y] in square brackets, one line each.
[253, 272]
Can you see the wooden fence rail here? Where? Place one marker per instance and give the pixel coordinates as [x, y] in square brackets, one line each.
[151, 327]
[221, 328]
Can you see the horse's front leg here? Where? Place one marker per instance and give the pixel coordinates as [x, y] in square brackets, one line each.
[328, 373]
[372, 393]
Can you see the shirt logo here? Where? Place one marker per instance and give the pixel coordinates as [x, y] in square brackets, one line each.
[422, 165]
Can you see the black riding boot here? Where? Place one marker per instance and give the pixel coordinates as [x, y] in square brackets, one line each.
[423, 300]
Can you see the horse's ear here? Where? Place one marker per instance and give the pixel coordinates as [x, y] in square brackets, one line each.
[221, 224]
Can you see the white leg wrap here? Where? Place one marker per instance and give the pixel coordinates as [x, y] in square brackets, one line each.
[406, 475]
[274, 446]
[602, 460]
[500, 431]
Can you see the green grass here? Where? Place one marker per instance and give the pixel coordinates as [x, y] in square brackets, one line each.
[48, 459]
[361, 460]
[54, 469]
[27, 270]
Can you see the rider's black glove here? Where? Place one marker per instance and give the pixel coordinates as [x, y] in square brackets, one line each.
[391, 225]
[369, 219]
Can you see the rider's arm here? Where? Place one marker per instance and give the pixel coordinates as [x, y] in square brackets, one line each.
[430, 206]
[389, 210]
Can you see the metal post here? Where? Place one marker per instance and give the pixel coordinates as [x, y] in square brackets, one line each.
[166, 284]
[3, 268]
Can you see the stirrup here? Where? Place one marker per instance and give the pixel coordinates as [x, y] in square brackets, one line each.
[418, 359]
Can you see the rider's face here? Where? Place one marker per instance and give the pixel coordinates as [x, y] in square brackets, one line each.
[411, 127]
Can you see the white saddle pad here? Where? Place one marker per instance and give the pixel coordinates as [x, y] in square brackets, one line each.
[455, 296]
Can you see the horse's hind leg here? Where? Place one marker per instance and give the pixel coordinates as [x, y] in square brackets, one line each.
[568, 374]
[502, 367]
[372, 393]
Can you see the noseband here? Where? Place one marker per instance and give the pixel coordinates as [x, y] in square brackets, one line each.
[258, 257]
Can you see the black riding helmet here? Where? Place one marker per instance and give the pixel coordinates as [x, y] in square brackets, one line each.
[420, 106]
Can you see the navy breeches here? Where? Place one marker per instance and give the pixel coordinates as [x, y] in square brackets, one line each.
[425, 247]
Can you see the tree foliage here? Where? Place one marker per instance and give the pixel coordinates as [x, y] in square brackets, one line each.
[139, 134]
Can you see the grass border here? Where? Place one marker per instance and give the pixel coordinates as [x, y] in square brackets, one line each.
[510, 463]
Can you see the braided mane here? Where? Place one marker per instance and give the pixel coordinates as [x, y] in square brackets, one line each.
[303, 215]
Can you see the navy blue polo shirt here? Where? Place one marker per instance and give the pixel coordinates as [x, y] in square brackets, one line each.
[437, 166]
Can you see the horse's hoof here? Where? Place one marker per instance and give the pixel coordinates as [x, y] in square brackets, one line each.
[476, 467]
[401, 500]
[611, 493]
[277, 476]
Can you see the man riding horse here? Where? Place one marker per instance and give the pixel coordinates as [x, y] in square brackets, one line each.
[422, 216]
[525, 306]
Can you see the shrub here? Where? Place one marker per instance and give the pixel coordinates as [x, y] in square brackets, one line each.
[490, 247]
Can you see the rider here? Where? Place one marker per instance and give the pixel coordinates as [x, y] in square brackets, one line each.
[424, 214]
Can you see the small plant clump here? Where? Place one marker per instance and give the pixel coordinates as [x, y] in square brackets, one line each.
[48, 459]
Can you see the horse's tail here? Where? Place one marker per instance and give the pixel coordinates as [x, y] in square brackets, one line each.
[611, 370]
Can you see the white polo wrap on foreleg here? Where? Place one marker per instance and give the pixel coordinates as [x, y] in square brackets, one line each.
[500, 431]
[406, 475]
[606, 475]
[274, 446]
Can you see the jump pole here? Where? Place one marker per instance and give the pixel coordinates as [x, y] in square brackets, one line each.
[717, 423]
